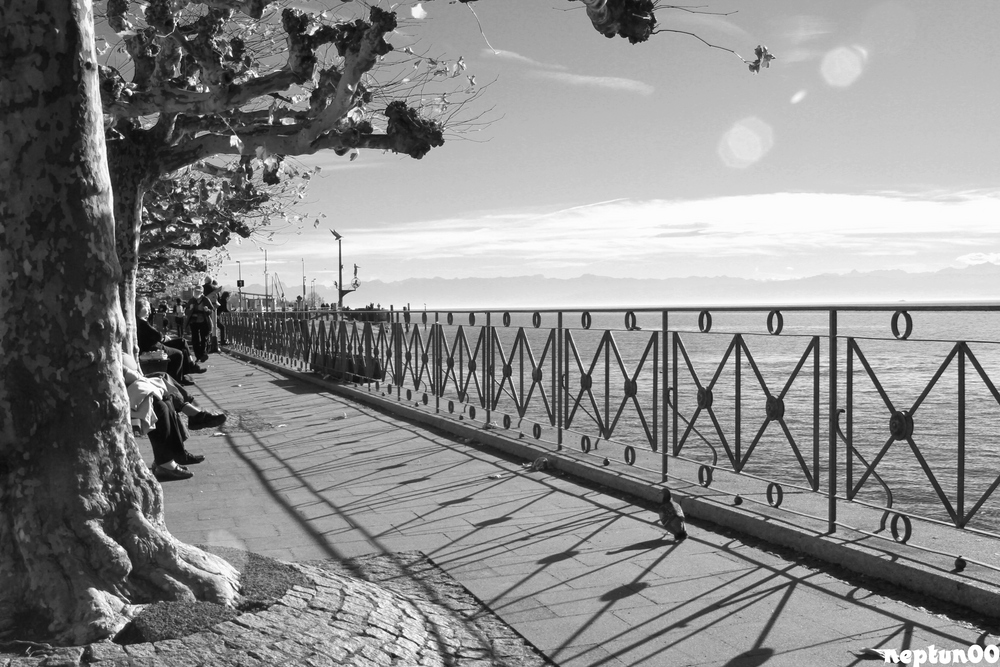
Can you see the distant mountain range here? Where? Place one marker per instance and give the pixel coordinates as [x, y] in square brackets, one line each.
[980, 282]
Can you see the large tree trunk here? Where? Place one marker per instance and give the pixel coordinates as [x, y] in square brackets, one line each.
[82, 534]
[130, 181]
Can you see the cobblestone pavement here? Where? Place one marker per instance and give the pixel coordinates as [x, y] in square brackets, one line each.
[589, 578]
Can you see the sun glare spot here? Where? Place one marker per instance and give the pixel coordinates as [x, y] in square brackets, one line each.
[745, 143]
[798, 97]
[842, 66]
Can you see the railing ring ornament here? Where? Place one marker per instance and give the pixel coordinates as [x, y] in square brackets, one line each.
[536, 431]
[908, 324]
[775, 322]
[472, 319]
[775, 408]
[585, 320]
[506, 421]
[536, 319]
[907, 528]
[705, 474]
[506, 319]
[631, 388]
[586, 382]
[901, 425]
[536, 375]
[423, 317]
[704, 397]
[630, 455]
[585, 444]
[630, 321]
[451, 319]
[704, 321]
[775, 494]
[472, 412]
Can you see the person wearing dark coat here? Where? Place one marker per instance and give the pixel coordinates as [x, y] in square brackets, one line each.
[180, 361]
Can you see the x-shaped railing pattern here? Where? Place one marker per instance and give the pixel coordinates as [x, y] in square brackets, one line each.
[901, 424]
[520, 396]
[774, 406]
[601, 415]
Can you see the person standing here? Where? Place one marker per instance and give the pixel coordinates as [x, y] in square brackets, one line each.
[223, 308]
[211, 289]
[178, 317]
[198, 316]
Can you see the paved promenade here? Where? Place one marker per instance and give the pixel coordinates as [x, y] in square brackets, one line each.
[301, 474]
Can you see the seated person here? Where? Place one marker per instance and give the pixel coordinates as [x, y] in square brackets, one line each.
[156, 405]
[180, 362]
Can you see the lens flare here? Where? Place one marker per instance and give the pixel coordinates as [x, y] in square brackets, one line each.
[745, 143]
[842, 66]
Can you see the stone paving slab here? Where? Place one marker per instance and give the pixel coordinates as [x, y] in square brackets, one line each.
[587, 577]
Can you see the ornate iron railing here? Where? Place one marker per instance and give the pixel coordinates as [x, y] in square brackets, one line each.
[865, 417]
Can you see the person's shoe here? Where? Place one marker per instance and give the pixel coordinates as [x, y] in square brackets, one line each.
[189, 459]
[203, 358]
[170, 474]
[206, 420]
[185, 381]
[195, 368]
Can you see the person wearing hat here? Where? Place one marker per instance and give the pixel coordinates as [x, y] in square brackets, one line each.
[212, 293]
[199, 314]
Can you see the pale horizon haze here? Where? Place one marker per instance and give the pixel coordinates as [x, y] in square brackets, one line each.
[872, 142]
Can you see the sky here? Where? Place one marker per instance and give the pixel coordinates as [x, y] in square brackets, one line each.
[872, 142]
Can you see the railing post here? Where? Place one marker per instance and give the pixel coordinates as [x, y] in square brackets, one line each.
[488, 368]
[438, 384]
[664, 443]
[832, 463]
[397, 354]
[558, 389]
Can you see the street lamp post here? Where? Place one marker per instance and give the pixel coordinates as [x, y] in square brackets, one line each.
[239, 283]
[340, 272]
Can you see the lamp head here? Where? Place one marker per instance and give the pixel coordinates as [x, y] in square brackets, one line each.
[336, 235]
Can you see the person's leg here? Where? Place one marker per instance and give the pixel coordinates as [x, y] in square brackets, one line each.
[175, 363]
[198, 340]
[165, 436]
[190, 364]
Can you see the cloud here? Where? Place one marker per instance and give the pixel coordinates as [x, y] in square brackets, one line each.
[746, 236]
[696, 21]
[608, 82]
[979, 258]
[518, 58]
[804, 28]
[730, 235]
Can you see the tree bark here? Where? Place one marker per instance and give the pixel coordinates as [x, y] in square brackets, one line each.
[128, 163]
[82, 533]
